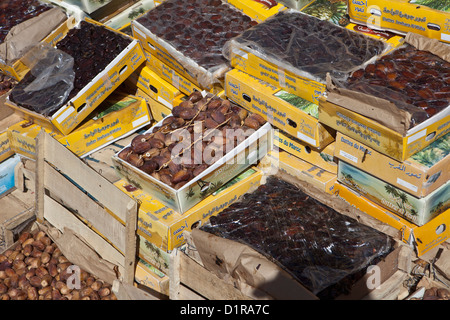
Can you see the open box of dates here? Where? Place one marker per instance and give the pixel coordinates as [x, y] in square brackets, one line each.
[23, 24]
[67, 83]
[325, 251]
[189, 35]
[205, 142]
[295, 51]
[407, 92]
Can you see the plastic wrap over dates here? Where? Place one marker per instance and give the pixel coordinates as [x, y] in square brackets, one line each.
[14, 12]
[200, 131]
[197, 28]
[319, 246]
[92, 48]
[414, 80]
[305, 44]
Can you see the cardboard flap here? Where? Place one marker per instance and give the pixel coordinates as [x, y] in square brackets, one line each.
[377, 109]
[248, 270]
[29, 33]
[431, 45]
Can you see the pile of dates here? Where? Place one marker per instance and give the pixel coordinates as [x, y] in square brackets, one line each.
[14, 12]
[36, 269]
[415, 80]
[318, 245]
[200, 131]
[92, 47]
[197, 28]
[6, 83]
[309, 44]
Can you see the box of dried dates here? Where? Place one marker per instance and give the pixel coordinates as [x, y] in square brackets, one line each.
[286, 111]
[422, 238]
[153, 85]
[258, 10]
[418, 175]
[118, 116]
[24, 24]
[284, 162]
[427, 18]
[288, 240]
[322, 158]
[192, 42]
[163, 226]
[397, 104]
[202, 144]
[65, 84]
[158, 110]
[150, 277]
[295, 51]
[417, 210]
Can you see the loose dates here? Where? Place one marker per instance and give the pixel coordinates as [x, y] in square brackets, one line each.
[198, 132]
[414, 80]
[197, 28]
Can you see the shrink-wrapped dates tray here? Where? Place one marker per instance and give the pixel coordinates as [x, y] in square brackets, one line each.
[414, 80]
[325, 250]
[307, 46]
[86, 51]
[195, 31]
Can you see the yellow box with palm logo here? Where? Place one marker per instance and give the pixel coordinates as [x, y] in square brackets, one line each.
[119, 115]
[425, 17]
[417, 210]
[423, 238]
[163, 227]
[418, 175]
[286, 111]
[381, 138]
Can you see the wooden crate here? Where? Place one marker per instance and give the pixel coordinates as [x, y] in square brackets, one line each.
[72, 195]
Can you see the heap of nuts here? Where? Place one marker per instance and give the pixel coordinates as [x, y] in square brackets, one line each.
[198, 133]
[36, 269]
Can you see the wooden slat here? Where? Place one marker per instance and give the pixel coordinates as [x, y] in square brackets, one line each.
[59, 217]
[197, 278]
[77, 200]
[87, 178]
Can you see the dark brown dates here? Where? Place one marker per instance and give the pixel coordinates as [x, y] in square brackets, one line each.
[197, 28]
[414, 80]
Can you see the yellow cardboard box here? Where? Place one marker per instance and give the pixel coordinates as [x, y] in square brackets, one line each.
[299, 169]
[414, 209]
[115, 118]
[288, 112]
[69, 116]
[418, 175]
[382, 139]
[163, 226]
[158, 110]
[153, 85]
[170, 74]
[322, 158]
[149, 276]
[7, 119]
[403, 16]
[18, 69]
[423, 238]
[258, 10]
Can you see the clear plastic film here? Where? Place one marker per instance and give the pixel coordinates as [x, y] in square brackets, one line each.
[320, 247]
[49, 82]
[414, 80]
[307, 46]
[194, 32]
